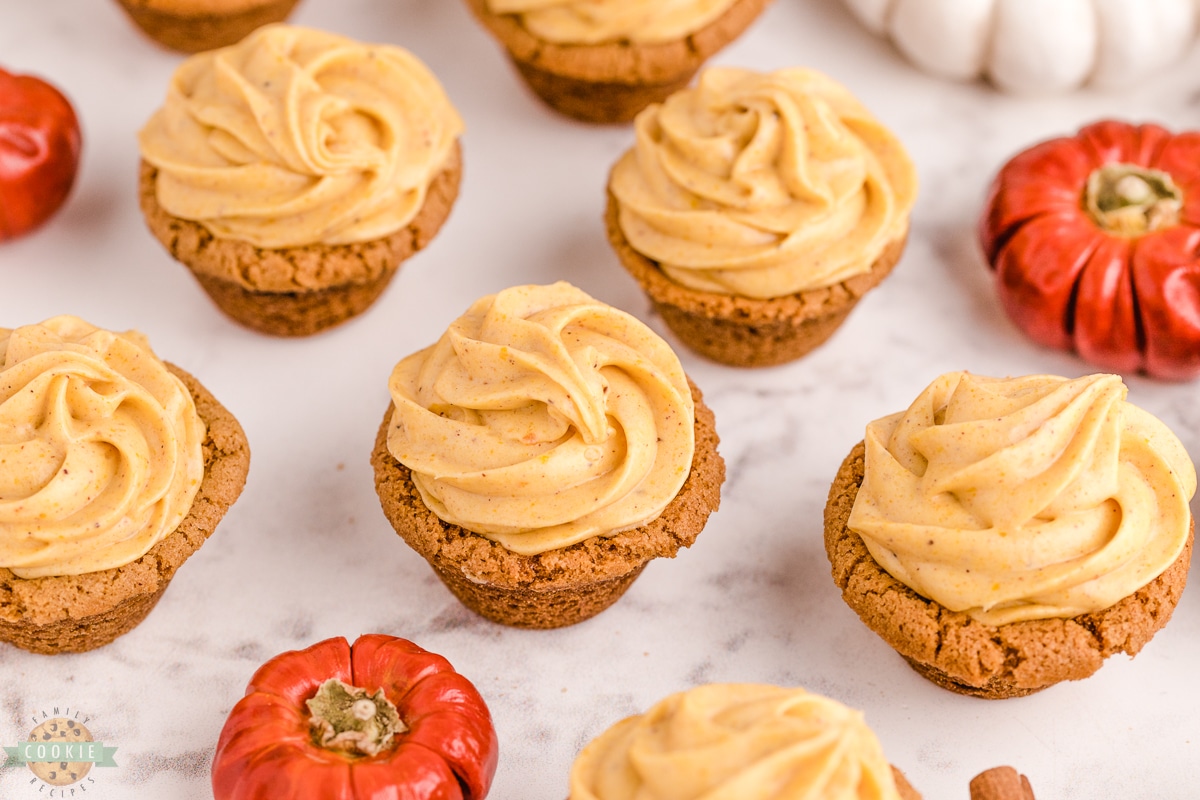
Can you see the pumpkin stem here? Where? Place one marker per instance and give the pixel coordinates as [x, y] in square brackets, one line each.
[351, 720]
[1128, 200]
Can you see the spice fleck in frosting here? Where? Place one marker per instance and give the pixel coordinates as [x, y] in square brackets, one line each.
[595, 21]
[1024, 498]
[100, 450]
[736, 741]
[762, 185]
[295, 137]
[543, 417]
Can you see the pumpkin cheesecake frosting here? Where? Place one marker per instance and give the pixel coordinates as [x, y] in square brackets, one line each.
[1026, 498]
[295, 137]
[100, 453]
[543, 417]
[762, 185]
[744, 741]
[594, 21]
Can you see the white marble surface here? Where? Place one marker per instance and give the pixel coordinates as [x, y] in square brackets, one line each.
[307, 554]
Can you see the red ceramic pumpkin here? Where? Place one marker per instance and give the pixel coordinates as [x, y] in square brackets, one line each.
[379, 720]
[39, 152]
[1095, 241]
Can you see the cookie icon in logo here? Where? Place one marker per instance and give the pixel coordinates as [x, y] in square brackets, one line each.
[60, 730]
[60, 752]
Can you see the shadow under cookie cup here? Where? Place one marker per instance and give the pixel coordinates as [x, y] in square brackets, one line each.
[743, 331]
[559, 587]
[193, 32]
[297, 291]
[966, 656]
[76, 613]
[610, 82]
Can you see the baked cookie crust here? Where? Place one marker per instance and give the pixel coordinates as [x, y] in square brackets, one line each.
[190, 27]
[744, 331]
[612, 81]
[559, 587]
[296, 291]
[76, 613]
[963, 655]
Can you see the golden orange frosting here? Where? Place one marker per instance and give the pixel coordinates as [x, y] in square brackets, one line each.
[1024, 498]
[762, 185]
[100, 448]
[736, 742]
[595, 21]
[543, 417]
[295, 136]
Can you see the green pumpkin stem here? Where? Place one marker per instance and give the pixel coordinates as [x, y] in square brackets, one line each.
[1128, 200]
[351, 720]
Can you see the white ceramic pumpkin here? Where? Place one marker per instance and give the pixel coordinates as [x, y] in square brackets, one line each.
[1031, 46]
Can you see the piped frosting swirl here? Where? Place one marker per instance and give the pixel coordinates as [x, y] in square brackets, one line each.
[543, 417]
[295, 136]
[100, 448]
[762, 185]
[1024, 498]
[596, 21]
[736, 742]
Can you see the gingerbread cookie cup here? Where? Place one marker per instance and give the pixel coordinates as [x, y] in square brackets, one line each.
[744, 331]
[190, 26]
[559, 587]
[969, 657]
[76, 613]
[296, 291]
[611, 81]
[294, 171]
[755, 209]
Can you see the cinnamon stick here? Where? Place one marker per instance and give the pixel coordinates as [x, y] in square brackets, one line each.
[1001, 783]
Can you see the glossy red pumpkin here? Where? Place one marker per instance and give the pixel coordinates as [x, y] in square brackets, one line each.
[39, 152]
[1125, 299]
[266, 750]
